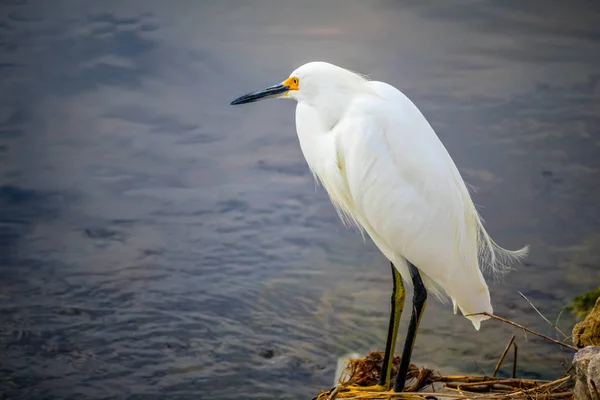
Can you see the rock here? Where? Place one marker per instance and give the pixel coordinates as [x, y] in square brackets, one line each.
[587, 371]
[587, 332]
[267, 353]
[341, 367]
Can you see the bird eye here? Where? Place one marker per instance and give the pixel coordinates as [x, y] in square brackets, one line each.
[295, 80]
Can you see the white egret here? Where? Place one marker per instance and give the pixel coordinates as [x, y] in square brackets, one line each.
[387, 173]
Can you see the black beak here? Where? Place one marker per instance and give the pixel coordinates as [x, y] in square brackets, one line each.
[267, 93]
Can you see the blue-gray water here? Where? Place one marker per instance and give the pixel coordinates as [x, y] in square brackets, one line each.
[155, 241]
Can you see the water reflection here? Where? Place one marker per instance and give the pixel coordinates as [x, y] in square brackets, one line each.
[154, 240]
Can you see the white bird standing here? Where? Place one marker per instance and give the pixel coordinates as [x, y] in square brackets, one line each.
[387, 172]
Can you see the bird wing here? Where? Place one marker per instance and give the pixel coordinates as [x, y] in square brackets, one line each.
[409, 196]
[398, 186]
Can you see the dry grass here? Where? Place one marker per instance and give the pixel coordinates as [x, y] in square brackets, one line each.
[423, 383]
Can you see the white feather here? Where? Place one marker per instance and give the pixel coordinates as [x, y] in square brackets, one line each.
[388, 174]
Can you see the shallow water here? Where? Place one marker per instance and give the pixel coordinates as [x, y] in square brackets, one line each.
[156, 241]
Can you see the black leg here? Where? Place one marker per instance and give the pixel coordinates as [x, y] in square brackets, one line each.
[419, 300]
[398, 296]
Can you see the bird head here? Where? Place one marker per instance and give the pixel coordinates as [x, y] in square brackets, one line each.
[315, 82]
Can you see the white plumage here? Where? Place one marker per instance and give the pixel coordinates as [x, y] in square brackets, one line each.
[387, 172]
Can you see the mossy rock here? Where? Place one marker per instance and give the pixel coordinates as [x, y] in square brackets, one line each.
[581, 305]
[587, 332]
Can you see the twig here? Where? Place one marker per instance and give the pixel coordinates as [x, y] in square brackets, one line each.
[512, 339]
[558, 319]
[502, 388]
[515, 361]
[425, 394]
[474, 379]
[334, 393]
[512, 383]
[462, 394]
[547, 385]
[525, 329]
[541, 315]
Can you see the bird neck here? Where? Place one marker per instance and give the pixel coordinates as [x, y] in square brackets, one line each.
[333, 99]
[331, 108]
[315, 141]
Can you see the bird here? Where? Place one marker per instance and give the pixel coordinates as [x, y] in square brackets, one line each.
[388, 174]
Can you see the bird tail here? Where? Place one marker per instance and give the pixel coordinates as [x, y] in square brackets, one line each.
[491, 256]
[478, 252]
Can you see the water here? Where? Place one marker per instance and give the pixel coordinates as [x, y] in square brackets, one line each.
[156, 241]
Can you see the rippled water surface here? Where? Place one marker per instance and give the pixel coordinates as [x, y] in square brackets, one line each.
[156, 241]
